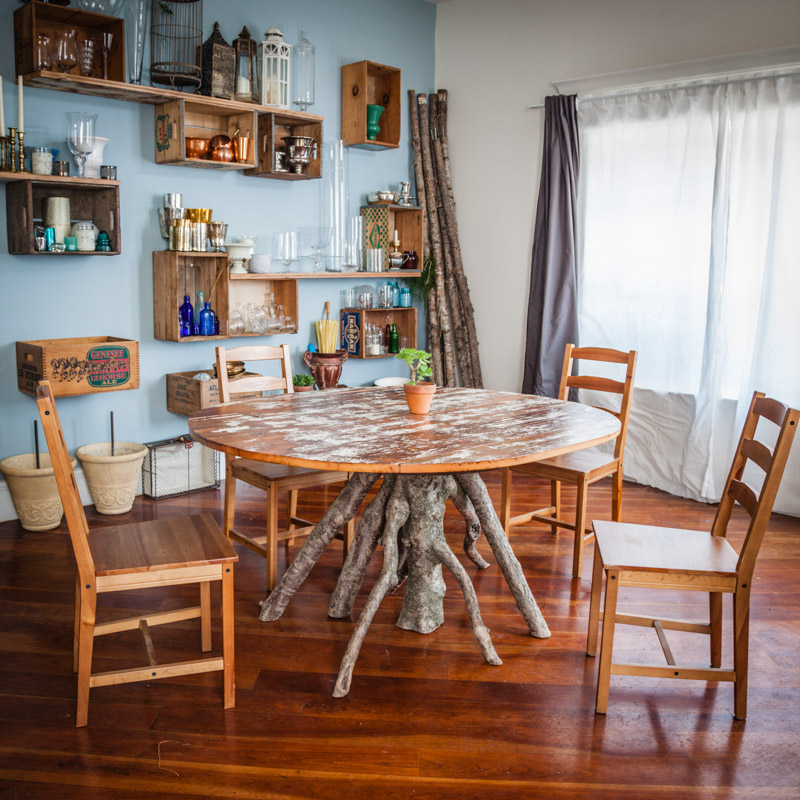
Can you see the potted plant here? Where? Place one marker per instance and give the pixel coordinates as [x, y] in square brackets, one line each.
[303, 383]
[418, 394]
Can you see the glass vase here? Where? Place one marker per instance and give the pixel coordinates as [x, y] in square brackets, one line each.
[137, 18]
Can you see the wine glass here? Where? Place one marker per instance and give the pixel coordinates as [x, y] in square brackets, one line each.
[285, 247]
[80, 137]
[315, 238]
[106, 41]
[66, 50]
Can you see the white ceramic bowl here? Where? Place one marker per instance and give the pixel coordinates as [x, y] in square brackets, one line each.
[394, 381]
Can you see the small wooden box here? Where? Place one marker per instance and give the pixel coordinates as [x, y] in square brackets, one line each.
[272, 130]
[187, 396]
[353, 328]
[367, 83]
[381, 221]
[78, 366]
[36, 18]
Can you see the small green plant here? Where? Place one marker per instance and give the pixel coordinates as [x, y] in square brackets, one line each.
[418, 362]
[302, 380]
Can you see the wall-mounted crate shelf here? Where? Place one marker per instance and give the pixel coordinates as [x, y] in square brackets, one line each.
[367, 83]
[398, 273]
[176, 274]
[90, 198]
[272, 130]
[35, 18]
[380, 223]
[353, 327]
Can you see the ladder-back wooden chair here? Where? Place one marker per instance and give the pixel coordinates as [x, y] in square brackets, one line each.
[271, 478]
[650, 557]
[582, 467]
[165, 552]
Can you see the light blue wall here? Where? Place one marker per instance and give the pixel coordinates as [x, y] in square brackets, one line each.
[51, 297]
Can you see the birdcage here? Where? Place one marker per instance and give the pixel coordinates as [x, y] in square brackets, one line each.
[178, 466]
[175, 34]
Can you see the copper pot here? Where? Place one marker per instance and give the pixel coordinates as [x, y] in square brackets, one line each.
[221, 148]
[196, 147]
[325, 367]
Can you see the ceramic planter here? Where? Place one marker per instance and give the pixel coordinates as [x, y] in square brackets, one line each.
[325, 367]
[34, 491]
[419, 396]
[112, 479]
[303, 388]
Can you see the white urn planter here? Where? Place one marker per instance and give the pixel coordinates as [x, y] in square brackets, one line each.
[95, 159]
[112, 479]
[34, 491]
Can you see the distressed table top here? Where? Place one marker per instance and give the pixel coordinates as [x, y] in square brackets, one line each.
[370, 430]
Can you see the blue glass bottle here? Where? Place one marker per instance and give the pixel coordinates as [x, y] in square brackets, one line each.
[187, 317]
[207, 320]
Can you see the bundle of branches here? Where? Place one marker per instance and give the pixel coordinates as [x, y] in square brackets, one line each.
[452, 338]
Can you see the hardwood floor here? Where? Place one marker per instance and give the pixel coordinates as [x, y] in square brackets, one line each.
[426, 717]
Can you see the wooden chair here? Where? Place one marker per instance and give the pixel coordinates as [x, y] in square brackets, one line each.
[165, 552]
[665, 558]
[272, 478]
[582, 467]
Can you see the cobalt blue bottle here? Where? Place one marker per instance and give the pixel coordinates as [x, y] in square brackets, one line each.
[207, 320]
[187, 317]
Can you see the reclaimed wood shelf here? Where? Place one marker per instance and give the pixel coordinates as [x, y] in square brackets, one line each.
[381, 221]
[353, 326]
[292, 276]
[367, 83]
[96, 199]
[272, 132]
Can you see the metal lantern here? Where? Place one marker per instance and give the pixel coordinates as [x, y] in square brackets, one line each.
[175, 36]
[274, 62]
[218, 66]
[246, 87]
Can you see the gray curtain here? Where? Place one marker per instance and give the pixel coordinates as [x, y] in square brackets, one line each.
[552, 304]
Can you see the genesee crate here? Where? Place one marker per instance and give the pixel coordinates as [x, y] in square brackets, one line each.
[78, 366]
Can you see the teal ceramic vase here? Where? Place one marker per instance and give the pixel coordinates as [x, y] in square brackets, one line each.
[373, 115]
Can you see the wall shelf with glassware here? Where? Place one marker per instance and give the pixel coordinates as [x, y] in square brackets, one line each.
[395, 273]
[94, 199]
[354, 321]
[176, 274]
[366, 84]
[273, 130]
[381, 221]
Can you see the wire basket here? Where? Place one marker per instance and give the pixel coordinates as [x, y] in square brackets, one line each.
[175, 34]
[174, 467]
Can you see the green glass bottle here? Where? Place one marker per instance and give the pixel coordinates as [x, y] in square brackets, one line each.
[394, 340]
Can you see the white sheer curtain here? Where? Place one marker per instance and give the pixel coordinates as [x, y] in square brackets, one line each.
[689, 232]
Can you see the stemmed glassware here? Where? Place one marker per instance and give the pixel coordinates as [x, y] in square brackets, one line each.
[316, 239]
[285, 247]
[106, 41]
[80, 137]
[66, 50]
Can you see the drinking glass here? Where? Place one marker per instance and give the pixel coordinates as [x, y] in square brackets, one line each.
[217, 232]
[43, 57]
[66, 50]
[315, 239]
[86, 56]
[80, 137]
[285, 247]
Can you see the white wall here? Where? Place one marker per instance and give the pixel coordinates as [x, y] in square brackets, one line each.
[496, 58]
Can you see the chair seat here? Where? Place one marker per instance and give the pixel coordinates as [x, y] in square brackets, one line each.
[579, 463]
[160, 544]
[652, 549]
[247, 470]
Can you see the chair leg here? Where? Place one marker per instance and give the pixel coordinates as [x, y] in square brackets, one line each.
[85, 646]
[205, 616]
[505, 501]
[616, 496]
[741, 641]
[580, 527]
[76, 636]
[272, 537]
[228, 671]
[715, 617]
[230, 498]
[607, 646]
[594, 603]
[291, 510]
[555, 502]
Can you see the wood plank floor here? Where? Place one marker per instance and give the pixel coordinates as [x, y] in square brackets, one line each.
[426, 717]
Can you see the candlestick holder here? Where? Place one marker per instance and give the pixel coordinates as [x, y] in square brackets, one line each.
[21, 152]
[4, 159]
[12, 136]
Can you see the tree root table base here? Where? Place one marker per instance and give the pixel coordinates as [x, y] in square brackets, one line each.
[406, 517]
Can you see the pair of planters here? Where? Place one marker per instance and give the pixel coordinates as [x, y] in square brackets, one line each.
[112, 482]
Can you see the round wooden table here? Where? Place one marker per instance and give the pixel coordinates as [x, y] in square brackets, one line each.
[424, 462]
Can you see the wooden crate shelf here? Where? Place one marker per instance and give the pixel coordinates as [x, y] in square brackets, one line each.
[395, 273]
[367, 83]
[272, 130]
[353, 327]
[381, 221]
[36, 18]
[90, 198]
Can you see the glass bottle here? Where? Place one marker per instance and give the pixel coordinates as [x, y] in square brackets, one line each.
[187, 317]
[201, 301]
[396, 295]
[394, 340]
[207, 320]
[303, 83]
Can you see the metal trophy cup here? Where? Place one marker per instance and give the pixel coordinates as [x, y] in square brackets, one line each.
[299, 151]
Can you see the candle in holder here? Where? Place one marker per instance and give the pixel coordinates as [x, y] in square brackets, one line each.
[21, 123]
[2, 112]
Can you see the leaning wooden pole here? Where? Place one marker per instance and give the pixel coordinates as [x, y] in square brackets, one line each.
[449, 205]
[434, 333]
[434, 231]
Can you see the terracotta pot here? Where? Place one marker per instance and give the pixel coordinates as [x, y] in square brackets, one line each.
[325, 367]
[34, 491]
[112, 479]
[303, 388]
[419, 396]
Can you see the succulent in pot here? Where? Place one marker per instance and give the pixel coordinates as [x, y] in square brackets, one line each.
[303, 382]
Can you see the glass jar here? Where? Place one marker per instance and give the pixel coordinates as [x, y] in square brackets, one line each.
[85, 234]
[405, 297]
[42, 161]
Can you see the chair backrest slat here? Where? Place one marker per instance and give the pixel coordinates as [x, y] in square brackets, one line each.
[759, 506]
[595, 383]
[65, 480]
[228, 389]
